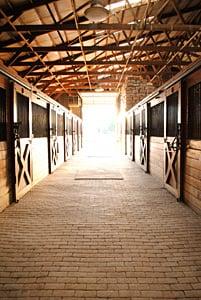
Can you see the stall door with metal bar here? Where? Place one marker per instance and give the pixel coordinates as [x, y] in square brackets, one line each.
[53, 142]
[67, 139]
[78, 135]
[127, 135]
[144, 137]
[23, 142]
[172, 141]
[74, 136]
[131, 136]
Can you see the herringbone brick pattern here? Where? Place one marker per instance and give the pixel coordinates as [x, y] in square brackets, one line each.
[100, 239]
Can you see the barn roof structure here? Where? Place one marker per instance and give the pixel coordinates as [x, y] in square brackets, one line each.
[56, 48]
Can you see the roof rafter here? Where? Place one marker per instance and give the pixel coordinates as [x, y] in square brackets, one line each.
[64, 48]
[100, 62]
[101, 26]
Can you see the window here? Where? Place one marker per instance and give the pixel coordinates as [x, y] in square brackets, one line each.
[172, 114]
[2, 114]
[39, 121]
[128, 125]
[143, 122]
[23, 115]
[157, 120]
[70, 126]
[53, 121]
[194, 112]
[137, 124]
[60, 125]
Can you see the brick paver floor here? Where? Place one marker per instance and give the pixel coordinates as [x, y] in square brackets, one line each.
[100, 239]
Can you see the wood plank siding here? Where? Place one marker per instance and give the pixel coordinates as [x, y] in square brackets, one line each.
[4, 177]
[192, 179]
[156, 157]
[5, 182]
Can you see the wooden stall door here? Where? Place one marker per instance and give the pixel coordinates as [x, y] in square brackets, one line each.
[127, 148]
[81, 135]
[23, 141]
[74, 133]
[144, 137]
[78, 135]
[53, 143]
[125, 136]
[172, 141]
[131, 136]
[67, 145]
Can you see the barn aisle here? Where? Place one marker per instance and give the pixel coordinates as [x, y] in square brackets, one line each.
[99, 228]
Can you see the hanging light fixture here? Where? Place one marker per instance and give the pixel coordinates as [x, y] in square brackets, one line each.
[96, 12]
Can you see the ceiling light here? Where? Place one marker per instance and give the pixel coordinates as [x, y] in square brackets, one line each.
[96, 12]
[121, 4]
[99, 89]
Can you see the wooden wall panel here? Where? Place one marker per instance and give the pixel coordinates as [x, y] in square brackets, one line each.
[5, 182]
[192, 178]
[40, 158]
[4, 177]
[156, 158]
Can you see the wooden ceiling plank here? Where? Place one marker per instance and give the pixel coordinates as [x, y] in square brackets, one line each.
[24, 39]
[77, 10]
[174, 4]
[25, 6]
[60, 36]
[187, 10]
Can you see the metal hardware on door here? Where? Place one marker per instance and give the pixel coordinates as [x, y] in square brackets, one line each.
[174, 144]
[16, 126]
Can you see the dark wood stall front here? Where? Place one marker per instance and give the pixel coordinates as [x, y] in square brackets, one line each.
[167, 135]
[36, 136]
[192, 178]
[5, 178]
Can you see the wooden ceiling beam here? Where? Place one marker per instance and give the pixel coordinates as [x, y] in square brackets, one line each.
[78, 87]
[64, 48]
[102, 26]
[83, 80]
[92, 73]
[101, 62]
[75, 56]
[71, 84]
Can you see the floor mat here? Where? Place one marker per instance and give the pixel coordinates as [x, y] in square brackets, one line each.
[100, 174]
